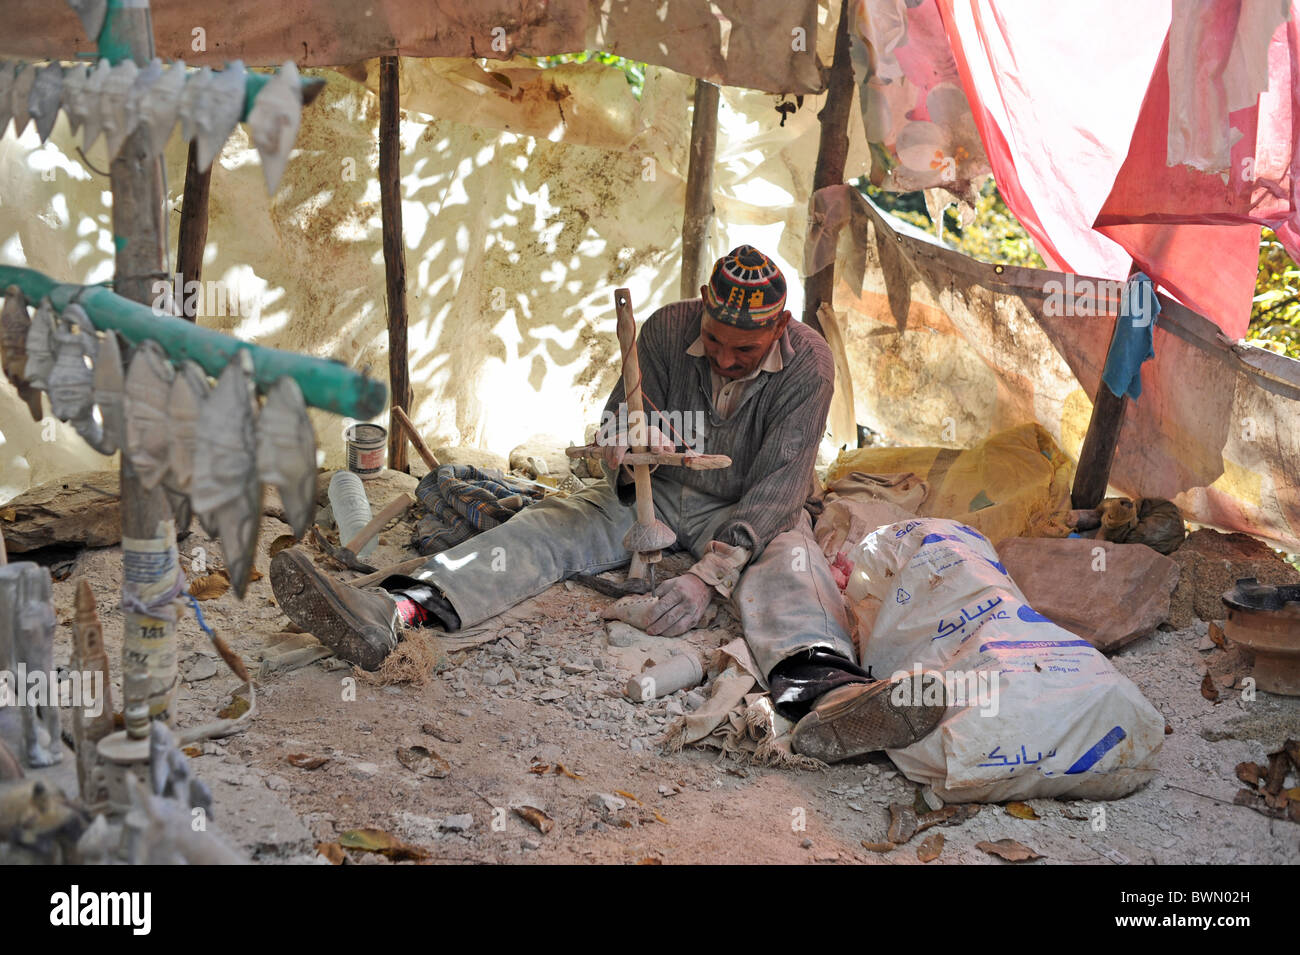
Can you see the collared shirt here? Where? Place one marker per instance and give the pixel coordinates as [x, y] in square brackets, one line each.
[727, 392]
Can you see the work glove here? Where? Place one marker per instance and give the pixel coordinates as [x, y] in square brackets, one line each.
[614, 447]
[682, 601]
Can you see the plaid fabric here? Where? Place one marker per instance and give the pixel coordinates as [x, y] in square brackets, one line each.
[461, 501]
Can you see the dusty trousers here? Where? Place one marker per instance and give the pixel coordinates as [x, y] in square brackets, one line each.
[786, 599]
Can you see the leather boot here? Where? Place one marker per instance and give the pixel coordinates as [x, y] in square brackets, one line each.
[866, 717]
[359, 625]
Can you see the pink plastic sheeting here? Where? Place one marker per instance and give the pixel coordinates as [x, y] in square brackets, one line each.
[914, 110]
[1057, 102]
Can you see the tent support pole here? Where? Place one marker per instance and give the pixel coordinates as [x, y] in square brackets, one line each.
[136, 179]
[193, 232]
[699, 188]
[832, 153]
[390, 193]
[1098, 450]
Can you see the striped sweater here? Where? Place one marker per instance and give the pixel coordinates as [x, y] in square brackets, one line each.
[771, 436]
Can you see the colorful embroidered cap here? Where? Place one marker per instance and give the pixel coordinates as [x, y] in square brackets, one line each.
[746, 289]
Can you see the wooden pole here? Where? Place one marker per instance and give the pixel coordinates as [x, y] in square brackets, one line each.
[390, 201]
[699, 188]
[1098, 451]
[193, 231]
[148, 534]
[832, 153]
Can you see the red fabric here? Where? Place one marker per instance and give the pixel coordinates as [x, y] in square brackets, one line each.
[1092, 187]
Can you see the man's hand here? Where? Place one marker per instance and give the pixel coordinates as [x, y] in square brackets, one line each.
[614, 448]
[681, 603]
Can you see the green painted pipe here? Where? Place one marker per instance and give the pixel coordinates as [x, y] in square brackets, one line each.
[328, 385]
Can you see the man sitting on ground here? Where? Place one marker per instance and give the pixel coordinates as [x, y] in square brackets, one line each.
[759, 385]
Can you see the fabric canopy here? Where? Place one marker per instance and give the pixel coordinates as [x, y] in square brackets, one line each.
[765, 46]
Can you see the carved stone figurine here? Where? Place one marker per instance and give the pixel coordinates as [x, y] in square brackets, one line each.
[43, 103]
[27, 639]
[71, 383]
[14, 324]
[8, 69]
[226, 490]
[88, 107]
[158, 107]
[273, 122]
[189, 391]
[286, 452]
[90, 724]
[221, 103]
[24, 80]
[114, 96]
[73, 96]
[148, 384]
[195, 86]
[40, 346]
[110, 395]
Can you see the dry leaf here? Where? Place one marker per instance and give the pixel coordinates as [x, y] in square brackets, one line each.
[625, 795]
[562, 770]
[332, 851]
[209, 586]
[1276, 777]
[192, 750]
[930, 848]
[306, 760]
[424, 762]
[254, 574]
[947, 816]
[1293, 794]
[1216, 635]
[659, 818]
[651, 860]
[1021, 810]
[236, 708]
[881, 847]
[8, 514]
[1208, 689]
[539, 769]
[535, 818]
[376, 840]
[1009, 849]
[902, 823]
[280, 543]
[1249, 773]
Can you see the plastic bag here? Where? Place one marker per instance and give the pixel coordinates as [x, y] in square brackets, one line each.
[1035, 711]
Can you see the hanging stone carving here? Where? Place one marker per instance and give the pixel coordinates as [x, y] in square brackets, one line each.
[73, 95]
[159, 106]
[14, 325]
[148, 385]
[273, 122]
[40, 346]
[92, 14]
[286, 452]
[189, 391]
[114, 102]
[225, 491]
[221, 103]
[195, 86]
[89, 107]
[110, 395]
[43, 103]
[19, 96]
[72, 382]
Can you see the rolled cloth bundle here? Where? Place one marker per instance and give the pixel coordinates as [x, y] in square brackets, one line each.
[461, 501]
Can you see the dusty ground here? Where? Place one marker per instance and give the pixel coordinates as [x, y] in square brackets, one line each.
[545, 688]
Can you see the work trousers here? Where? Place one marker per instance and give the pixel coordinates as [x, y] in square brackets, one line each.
[786, 599]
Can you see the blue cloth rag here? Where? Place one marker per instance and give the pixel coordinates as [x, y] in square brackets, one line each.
[1134, 340]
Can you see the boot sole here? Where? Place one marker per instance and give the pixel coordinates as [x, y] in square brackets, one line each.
[304, 595]
[866, 723]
